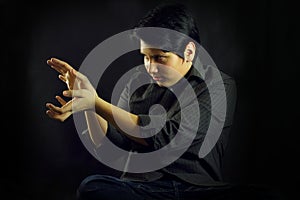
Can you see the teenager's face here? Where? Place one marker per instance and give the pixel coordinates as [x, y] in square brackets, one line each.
[166, 68]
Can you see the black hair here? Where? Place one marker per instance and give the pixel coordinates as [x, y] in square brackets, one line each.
[168, 17]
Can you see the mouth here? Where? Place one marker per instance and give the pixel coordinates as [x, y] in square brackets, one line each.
[157, 78]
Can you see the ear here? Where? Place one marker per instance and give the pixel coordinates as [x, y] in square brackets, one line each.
[189, 52]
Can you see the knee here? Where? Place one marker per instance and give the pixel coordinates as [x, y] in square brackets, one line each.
[96, 187]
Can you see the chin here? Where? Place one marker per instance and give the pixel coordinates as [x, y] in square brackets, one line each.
[163, 84]
[160, 84]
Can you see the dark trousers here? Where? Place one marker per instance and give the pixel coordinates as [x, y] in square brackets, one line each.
[102, 187]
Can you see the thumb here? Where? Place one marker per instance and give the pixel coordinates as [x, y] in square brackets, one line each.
[76, 93]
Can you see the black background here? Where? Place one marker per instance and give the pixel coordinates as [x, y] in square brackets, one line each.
[256, 42]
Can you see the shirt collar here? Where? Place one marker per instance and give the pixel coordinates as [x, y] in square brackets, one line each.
[193, 73]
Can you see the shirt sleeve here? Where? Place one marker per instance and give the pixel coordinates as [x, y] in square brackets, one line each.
[113, 134]
[124, 99]
[190, 119]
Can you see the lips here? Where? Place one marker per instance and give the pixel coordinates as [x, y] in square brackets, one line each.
[157, 78]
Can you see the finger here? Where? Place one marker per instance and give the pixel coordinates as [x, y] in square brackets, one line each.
[65, 108]
[52, 114]
[63, 78]
[60, 100]
[63, 65]
[68, 79]
[55, 67]
[54, 108]
[76, 93]
[64, 116]
[57, 116]
[68, 106]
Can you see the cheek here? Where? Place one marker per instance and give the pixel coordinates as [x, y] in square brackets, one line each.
[146, 63]
[171, 66]
[167, 71]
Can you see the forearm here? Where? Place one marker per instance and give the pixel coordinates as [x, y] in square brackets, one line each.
[124, 121]
[97, 126]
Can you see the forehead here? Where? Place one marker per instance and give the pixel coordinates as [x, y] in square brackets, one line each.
[148, 49]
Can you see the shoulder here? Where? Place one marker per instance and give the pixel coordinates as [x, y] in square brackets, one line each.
[212, 76]
[139, 78]
[209, 80]
[139, 74]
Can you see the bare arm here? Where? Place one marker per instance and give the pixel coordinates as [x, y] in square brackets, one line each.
[124, 121]
[97, 126]
[85, 98]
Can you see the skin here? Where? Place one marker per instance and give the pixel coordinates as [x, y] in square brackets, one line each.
[166, 68]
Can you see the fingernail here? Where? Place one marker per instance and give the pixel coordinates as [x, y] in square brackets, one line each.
[65, 92]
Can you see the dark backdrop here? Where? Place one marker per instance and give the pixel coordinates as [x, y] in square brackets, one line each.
[255, 42]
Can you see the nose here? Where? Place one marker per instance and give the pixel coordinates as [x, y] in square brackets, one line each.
[152, 67]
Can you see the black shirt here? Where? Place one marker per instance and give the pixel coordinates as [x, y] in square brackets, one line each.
[188, 167]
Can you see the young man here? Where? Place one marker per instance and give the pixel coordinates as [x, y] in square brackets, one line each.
[169, 79]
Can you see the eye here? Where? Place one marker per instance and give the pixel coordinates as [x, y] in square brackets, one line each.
[160, 58]
[146, 58]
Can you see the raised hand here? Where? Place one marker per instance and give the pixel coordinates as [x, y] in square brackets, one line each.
[83, 98]
[54, 114]
[64, 70]
[80, 90]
